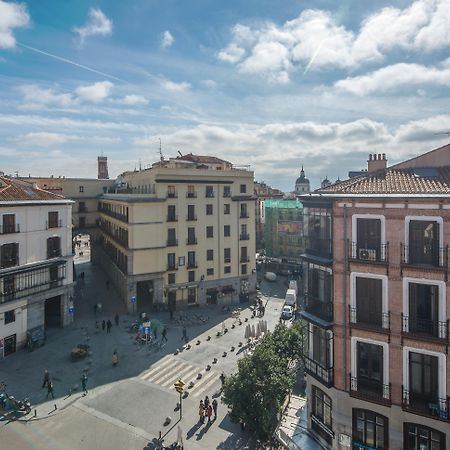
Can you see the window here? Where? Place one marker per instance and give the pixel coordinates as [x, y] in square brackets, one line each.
[82, 207]
[424, 242]
[191, 275]
[321, 410]
[370, 367]
[209, 192]
[191, 236]
[180, 261]
[370, 430]
[318, 291]
[424, 309]
[8, 285]
[191, 212]
[227, 269]
[53, 247]
[244, 235]
[209, 232]
[81, 222]
[10, 316]
[53, 272]
[171, 264]
[52, 219]
[243, 188]
[420, 437]
[171, 236]
[192, 295]
[369, 303]
[210, 272]
[244, 214]
[226, 230]
[171, 213]
[244, 255]
[9, 255]
[227, 191]
[209, 255]
[171, 192]
[191, 191]
[317, 223]
[9, 224]
[244, 269]
[368, 235]
[81, 189]
[227, 255]
[191, 259]
[171, 278]
[226, 208]
[423, 379]
[209, 210]
[320, 346]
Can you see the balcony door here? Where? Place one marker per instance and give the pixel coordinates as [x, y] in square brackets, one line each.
[370, 367]
[424, 308]
[420, 437]
[368, 239]
[423, 242]
[423, 379]
[369, 301]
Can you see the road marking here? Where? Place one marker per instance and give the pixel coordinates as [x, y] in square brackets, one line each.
[167, 359]
[207, 385]
[167, 371]
[173, 373]
[158, 371]
[181, 374]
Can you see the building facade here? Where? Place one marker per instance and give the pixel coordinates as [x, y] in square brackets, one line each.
[36, 263]
[180, 233]
[377, 307]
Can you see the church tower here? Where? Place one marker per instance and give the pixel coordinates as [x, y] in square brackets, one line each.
[302, 183]
[102, 162]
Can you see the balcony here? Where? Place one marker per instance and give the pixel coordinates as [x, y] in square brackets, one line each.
[9, 229]
[244, 215]
[244, 237]
[227, 194]
[425, 329]
[371, 392]
[380, 322]
[53, 224]
[360, 254]
[172, 266]
[172, 218]
[427, 256]
[435, 409]
[192, 265]
[191, 241]
[321, 309]
[209, 194]
[313, 368]
[171, 194]
[191, 194]
[245, 259]
[115, 215]
[121, 238]
[318, 247]
[191, 217]
[172, 242]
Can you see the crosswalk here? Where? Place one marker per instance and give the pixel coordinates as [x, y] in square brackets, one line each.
[170, 369]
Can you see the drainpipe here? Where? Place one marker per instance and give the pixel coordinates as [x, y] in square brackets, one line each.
[344, 298]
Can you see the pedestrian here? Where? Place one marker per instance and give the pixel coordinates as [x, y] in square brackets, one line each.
[201, 412]
[209, 411]
[50, 388]
[107, 284]
[214, 407]
[155, 332]
[96, 324]
[95, 309]
[108, 326]
[46, 378]
[84, 383]
[164, 334]
[184, 335]
[115, 358]
[206, 402]
[116, 319]
[103, 324]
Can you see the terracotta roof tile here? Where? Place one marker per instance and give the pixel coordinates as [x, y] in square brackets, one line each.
[12, 189]
[202, 159]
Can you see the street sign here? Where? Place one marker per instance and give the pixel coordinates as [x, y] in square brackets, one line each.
[133, 299]
[70, 309]
[179, 386]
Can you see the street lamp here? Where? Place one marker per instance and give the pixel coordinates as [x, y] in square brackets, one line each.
[179, 387]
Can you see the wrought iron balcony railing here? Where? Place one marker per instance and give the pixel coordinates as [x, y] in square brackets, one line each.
[324, 375]
[380, 321]
[371, 392]
[435, 408]
[360, 253]
[425, 328]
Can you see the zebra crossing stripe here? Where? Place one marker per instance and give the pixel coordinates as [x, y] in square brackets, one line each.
[206, 386]
[204, 379]
[187, 371]
[161, 363]
[167, 373]
[159, 371]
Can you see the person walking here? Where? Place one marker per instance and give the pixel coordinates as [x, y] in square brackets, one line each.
[164, 334]
[214, 407]
[84, 383]
[116, 319]
[209, 412]
[50, 389]
[108, 326]
[155, 332]
[103, 324]
[206, 402]
[115, 358]
[46, 378]
[201, 412]
[184, 335]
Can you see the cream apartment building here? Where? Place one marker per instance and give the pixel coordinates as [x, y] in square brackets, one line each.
[36, 262]
[180, 233]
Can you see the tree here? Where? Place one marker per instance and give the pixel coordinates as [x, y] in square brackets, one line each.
[256, 392]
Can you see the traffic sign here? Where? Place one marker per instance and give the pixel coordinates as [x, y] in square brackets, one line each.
[179, 386]
[133, 299]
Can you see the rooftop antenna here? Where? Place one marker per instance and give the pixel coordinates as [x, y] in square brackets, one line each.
[161, 157]
[140, 166]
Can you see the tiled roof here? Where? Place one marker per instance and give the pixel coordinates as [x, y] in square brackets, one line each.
[202, 159]
[395, 181]
[12, 189]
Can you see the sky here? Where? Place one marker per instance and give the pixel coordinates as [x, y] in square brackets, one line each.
[273, 85]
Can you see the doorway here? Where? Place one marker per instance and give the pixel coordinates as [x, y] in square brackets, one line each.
[144, 294]
[10, 345]
[53, 312]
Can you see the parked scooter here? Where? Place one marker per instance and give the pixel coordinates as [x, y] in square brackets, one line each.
[8, 402]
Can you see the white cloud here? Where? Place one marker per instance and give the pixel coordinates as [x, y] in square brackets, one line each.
[95, 92]
[134, 100]
[97, 24]
[36, 97]
[167, 39]
[41, 139]
[12, 15]
[175, 87]
[315, 39]
[394, 77]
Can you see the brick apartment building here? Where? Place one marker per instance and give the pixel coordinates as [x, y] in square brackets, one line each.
[377, 306]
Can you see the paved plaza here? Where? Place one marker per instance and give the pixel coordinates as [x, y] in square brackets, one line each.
[127, 405]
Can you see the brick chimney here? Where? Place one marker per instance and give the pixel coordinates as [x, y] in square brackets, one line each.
[376, 162]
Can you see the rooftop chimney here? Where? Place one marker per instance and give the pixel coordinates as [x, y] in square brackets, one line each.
[376, 162]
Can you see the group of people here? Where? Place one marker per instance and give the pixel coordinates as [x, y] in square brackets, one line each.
[206, 409]
[108, 324]
[48, 382]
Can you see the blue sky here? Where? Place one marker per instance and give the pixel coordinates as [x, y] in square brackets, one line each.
[319, 83]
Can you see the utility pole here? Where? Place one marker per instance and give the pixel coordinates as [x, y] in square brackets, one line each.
[179, 387]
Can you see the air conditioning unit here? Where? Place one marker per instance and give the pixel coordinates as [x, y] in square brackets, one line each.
[367, 254]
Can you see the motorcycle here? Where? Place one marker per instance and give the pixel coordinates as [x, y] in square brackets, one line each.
[8, 402]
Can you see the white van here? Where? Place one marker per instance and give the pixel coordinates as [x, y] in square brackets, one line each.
[293, 285]
[291, 298]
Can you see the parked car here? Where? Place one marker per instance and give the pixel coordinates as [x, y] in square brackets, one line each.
[287, 312]
[270, 276]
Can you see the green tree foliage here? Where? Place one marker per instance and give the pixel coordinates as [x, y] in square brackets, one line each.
[256, 392]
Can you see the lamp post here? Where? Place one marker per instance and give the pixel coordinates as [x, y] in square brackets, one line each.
[179, 387]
